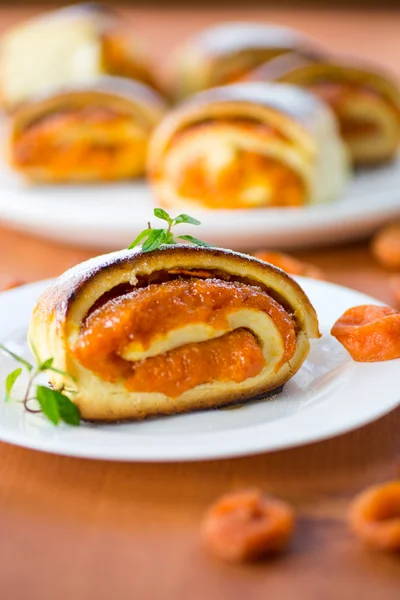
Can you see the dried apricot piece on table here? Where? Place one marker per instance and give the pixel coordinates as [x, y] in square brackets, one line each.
[375, 516]
[369, 333]
[246, 526]
[386, 246]
[288, 263]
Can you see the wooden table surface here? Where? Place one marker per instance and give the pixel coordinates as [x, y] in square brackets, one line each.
[83, 529]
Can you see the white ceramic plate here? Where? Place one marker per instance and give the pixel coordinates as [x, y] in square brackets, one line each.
[331, 394]
[110, 216]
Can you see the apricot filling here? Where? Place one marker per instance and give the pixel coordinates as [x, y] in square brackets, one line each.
[117, 58]
[220, 173]
[87, 142]
[146, 315]
[234, 357]
[250, 179]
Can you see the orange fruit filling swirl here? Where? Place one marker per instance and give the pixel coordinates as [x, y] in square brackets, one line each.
[227, 187]
[235, 356]
[247, 170]
[154, 311]
[96, 137]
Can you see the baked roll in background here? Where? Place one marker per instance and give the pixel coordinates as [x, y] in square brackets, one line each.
[93, 132]
[224, 53]
[365, 100]
[248, 145]
[68, 46]
[178, 329]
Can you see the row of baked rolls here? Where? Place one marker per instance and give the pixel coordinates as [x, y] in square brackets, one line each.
[366, 101]
[94, 132]
[181, 328]
[248, 145]
[251, 164]
[69, 46]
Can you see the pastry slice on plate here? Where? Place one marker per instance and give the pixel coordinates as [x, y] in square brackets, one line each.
[97, 131]
[176, 329]
[248, 145]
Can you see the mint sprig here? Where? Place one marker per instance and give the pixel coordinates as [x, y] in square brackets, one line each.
[151, 239]
[54, 405]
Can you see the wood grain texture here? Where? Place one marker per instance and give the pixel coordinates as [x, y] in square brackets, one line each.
[78, 529]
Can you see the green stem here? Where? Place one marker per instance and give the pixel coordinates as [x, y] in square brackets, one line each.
[28, 389]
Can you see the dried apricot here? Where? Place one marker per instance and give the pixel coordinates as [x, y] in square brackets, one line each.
[369, 333]
[288, 263]
[246, 526]
[375, 516]
[386, 246]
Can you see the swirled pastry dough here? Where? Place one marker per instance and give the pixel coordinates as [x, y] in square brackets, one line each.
[178, 329]
[248, 145]
[94, 132]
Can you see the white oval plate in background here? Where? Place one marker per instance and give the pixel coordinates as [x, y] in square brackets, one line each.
[110, 216]
[330, 394]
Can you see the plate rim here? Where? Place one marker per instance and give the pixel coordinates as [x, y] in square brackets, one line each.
[126, 454]
[353, 215]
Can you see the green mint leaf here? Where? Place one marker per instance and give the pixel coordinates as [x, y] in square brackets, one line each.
[69, 412]
[10, 380]
[186, 219]
[169, 238]
[47, 399]
[21, 360]
[44, 366]
[162, 214]
[193, 240]
[140, 237]
[155, 240]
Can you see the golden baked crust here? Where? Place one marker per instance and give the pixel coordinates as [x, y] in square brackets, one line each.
[57, 320]
[132, 97]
